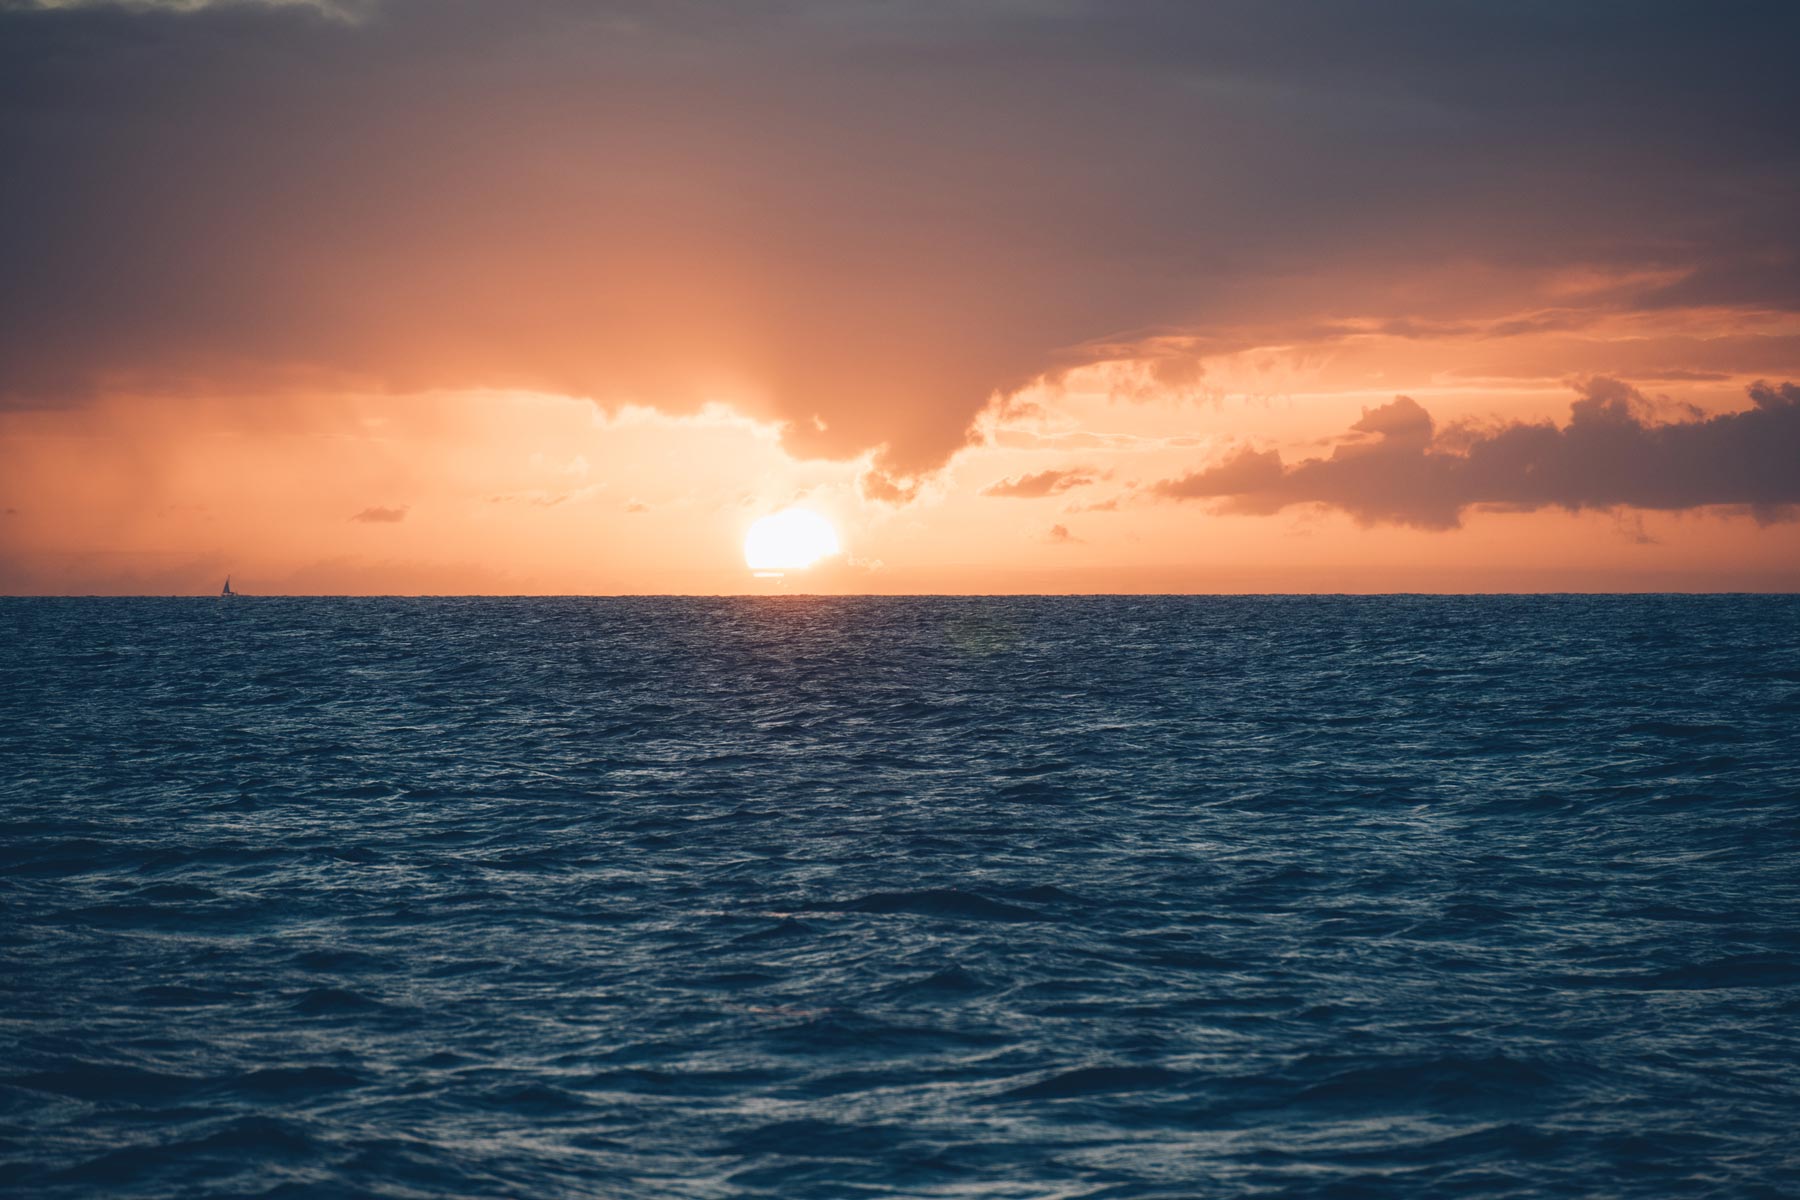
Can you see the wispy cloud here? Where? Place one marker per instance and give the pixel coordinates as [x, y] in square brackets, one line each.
[381, 516]
[1044, 483]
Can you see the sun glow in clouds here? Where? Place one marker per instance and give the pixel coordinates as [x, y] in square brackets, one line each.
[790, 540]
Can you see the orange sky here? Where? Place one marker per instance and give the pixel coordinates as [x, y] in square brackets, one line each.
[534, 493]
[555, 298]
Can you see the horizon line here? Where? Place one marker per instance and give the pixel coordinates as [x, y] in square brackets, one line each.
[1792, 592]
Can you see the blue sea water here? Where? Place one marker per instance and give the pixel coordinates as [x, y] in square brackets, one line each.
[1074, 897]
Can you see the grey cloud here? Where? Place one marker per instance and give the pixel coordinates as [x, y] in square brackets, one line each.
[875, 214]
[1611, 454]
[330, 7]
[381, 516]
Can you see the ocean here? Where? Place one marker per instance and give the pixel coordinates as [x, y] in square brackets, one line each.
[923, 897]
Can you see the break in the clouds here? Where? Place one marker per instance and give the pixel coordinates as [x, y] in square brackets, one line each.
[861, 220]
[1398, 468]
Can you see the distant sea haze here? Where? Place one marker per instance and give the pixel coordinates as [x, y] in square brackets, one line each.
[1030, 897]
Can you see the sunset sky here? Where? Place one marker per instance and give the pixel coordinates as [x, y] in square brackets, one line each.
[539, 296]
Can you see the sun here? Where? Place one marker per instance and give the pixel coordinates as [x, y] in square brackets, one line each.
[789, 540]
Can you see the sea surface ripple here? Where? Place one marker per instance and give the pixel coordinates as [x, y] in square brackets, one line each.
[802, 897]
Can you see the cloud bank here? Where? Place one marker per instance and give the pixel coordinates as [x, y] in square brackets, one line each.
[1399, 469]
[862, 220]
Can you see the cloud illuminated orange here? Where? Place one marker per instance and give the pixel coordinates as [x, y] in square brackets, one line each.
[355, 264]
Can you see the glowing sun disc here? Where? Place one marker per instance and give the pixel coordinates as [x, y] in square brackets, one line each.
[789, 540]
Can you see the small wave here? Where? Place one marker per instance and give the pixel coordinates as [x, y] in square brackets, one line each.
[1506, 1141]
[174, 891]
[257, 1141]
[951, 981]
[322, 1001]
[1190, 960]
[1734, 971]
[108, 1083]
[360, 855]
[786, 929]
[133, 915]
[650, 1081]
[335, 959]
[1686, 732]
[176, 995]
[1042, 893]
[1695, 916]
[851, 1033]
[1477, 913]
[809, 1138]
[66, 857]
[1032, 791]
[934, 902]
[534, 1098]
[1444, 1082]
[292, 1081]
[1092, 1081]
[258, 1138]
[439, 1060]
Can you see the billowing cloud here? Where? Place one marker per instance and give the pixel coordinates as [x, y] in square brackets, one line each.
[887, 487]
[860, 220]
[1043, 483]
[1398, 468]
[381, 516]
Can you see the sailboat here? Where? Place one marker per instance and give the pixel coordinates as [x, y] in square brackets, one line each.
[226, 593]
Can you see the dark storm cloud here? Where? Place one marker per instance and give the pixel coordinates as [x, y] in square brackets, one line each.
[1044, 483]
[1399, 469]
[858, 218]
